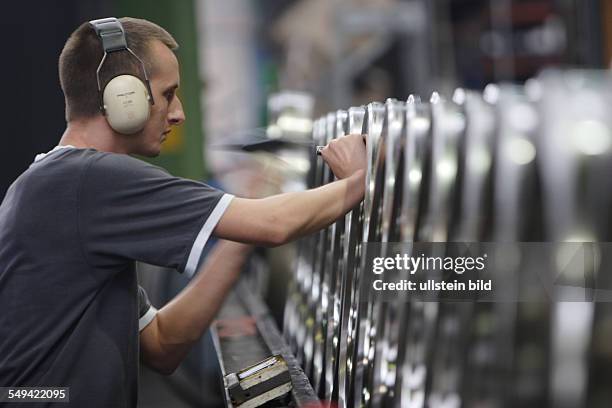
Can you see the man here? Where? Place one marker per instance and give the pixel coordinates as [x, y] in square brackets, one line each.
[74, 223]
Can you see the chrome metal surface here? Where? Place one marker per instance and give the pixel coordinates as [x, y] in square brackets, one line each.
[335, 283]
[350, 261]
[576, 130]
[447, 127]
[384, 344]
[417, 127]
[509, 165]
[365, 326]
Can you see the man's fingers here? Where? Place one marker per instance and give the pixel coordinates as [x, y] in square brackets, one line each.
[319, 149]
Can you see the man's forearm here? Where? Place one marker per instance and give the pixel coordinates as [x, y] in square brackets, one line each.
[281, 218]
[309, 211]
[182, 321]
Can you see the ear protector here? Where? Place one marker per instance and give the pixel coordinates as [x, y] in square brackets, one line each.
[125, 100]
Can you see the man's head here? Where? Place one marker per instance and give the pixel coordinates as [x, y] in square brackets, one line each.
[80, 59]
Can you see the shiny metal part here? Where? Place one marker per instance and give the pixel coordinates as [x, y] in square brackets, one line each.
[447, 127]
[416, 150]
[473, 214]
[575, 155]
[385, 314]
[512, 330]
[312, 280]
[321, 279]
[470, 216]
[350, 261]
[295, 314]
[372, 210]
[417, 127]
[334, 280]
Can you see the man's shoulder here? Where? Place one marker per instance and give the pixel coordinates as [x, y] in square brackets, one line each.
[79, 156]
[115, 167]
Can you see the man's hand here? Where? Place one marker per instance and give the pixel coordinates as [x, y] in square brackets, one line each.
[346, 155]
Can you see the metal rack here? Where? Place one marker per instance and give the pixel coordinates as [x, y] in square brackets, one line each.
[510, 165]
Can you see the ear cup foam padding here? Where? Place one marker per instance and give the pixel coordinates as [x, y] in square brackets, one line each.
[126, 103]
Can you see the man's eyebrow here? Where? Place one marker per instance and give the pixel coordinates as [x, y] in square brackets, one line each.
[171, 88]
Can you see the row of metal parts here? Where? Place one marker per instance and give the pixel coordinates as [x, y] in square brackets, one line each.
[511, 164]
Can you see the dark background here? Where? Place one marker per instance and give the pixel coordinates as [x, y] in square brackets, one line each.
[33, 35]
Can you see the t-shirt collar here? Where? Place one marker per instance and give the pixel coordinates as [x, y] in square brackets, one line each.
[41, 156]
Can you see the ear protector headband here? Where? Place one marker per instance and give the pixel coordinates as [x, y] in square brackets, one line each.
[125, 100]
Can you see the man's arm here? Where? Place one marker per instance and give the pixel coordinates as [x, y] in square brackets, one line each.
[165, 342]
[278, 219]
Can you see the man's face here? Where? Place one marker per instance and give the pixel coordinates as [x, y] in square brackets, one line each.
[167, 110]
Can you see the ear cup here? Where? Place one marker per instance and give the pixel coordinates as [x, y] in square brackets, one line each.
[126, 104]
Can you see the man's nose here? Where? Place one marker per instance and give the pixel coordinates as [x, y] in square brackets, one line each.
[176, 115]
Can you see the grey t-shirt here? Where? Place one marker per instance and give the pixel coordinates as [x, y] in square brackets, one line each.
[71, 228]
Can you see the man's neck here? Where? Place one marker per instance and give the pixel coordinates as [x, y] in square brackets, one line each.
[92, 133]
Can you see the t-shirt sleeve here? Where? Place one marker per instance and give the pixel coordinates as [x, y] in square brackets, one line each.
[146, 311]
[132, 210]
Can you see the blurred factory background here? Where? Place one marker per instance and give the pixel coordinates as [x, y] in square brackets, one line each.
[235, 54]
[256, 74]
